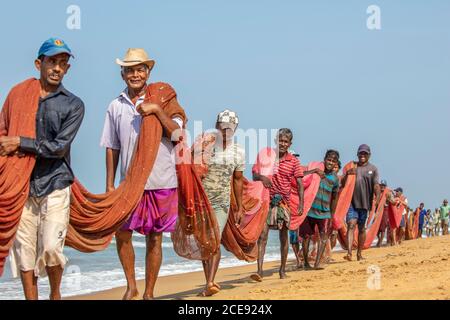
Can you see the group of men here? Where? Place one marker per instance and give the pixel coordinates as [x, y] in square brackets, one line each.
[426, 220]
[38, 246]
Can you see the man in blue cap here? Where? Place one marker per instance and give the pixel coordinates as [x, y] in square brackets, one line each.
[366, 187]
[39, 242]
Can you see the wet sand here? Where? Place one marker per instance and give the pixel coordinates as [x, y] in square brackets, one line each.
[418, 269]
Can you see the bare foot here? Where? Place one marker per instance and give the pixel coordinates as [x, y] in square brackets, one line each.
[359, 257]
[209, 291]
[257, 277]
[348, 257]
[307, 266]
[55, 296]
[319, 268]
[131, 294]
[217, 285]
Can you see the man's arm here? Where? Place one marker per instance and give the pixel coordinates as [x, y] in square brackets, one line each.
[265, 180]
[351, 171]
[334, 201]
[377, 189]
[112, 160]
[169, 125]
[390, 198]
[56, 148]
[316, 171]
[300, 191]
[238, 184]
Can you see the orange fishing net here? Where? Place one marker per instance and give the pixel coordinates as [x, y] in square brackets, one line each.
[95, 218]
[241, 240]
[374, 216]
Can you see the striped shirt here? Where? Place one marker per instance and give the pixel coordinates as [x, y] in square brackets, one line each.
[285, 169]
[329, 187]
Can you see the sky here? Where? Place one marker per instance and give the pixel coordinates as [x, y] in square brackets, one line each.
[312, 66]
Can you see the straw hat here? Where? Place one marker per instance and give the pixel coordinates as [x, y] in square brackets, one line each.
[135, 56]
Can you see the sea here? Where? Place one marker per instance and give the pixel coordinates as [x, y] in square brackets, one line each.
[92, 272]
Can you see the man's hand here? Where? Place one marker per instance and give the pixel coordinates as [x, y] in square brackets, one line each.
[300, 209]
[9, 145]
[110, 188]
[319, 172]
[266, 181]
[377, 203]
[351, 171]
[330, 224]
[238, 216]
[146, 109]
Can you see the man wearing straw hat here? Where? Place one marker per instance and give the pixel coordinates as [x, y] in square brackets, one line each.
[158, 209]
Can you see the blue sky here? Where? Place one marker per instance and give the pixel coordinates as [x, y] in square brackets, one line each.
[312, 66]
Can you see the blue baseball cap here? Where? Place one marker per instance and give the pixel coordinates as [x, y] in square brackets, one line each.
[384, 183]
[54, 46]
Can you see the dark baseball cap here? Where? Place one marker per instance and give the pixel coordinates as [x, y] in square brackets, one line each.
[54, 46]
[399, 189]
[364, 148]
[384, 183]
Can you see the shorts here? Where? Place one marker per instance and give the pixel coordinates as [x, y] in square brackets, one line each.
[41, 234]
[293, 237]
[308, 228]
[360, 215]
[403, 222]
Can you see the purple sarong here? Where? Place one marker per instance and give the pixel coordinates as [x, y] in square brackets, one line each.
[156, 212]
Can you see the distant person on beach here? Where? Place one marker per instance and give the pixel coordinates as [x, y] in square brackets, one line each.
[437, 221]
[225, 164]
[404, 201]
[157, 210]
[422, 214]
[429, 223]
[444, 216]
[322, 210]
[286, 168]
[367, 188]
[39, 242]
[384, 225]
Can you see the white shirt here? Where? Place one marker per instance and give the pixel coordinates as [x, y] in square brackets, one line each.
[121, 131]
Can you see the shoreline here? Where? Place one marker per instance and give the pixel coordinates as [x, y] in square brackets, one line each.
[418, 269]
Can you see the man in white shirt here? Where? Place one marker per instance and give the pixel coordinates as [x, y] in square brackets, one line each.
[158, 209]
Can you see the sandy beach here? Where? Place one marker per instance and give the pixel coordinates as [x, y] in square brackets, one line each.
[418, 269]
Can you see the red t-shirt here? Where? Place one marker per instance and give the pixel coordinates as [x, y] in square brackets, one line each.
[282, 171]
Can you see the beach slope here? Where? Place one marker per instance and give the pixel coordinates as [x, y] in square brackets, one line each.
[418, 269]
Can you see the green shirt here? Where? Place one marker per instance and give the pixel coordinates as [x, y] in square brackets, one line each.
[444, 212]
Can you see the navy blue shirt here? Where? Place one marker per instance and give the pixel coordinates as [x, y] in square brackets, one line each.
[422, 215]
[58, 119]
